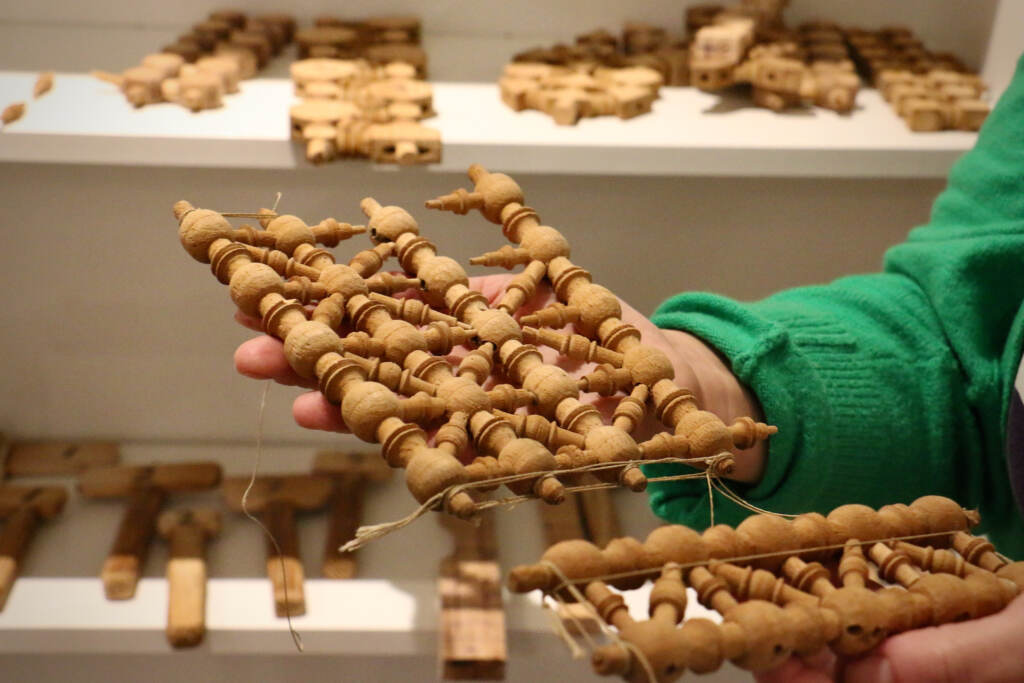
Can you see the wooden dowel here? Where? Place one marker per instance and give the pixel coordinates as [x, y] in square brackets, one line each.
[284, 569]
[17, 534]
[123, 566]
[346, 511]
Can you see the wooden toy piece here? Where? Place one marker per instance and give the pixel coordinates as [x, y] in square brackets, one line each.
[187, 50]
[22, 508]
[140, 84]
[246, 60]
[386, 53]
[226, 68]
[55, 458]
[379, 95]
[43, 84]
[757, 535]
[765, 616]
[276, 499]
[234, 17]
[187, 531]
[351, 474]
[326, 41]
[194, 89]
[146, 489]
[166, 63]
[404, 143]
[286, 22]
[472, 639]
[12, 113]
[256, 42]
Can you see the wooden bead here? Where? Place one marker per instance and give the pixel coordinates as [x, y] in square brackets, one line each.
[251, 283]
[306, 343]
[365, 406]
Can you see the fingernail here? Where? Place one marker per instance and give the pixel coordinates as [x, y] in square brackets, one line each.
[873, 669]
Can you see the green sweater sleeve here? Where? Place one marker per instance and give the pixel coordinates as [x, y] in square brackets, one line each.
[891, 385]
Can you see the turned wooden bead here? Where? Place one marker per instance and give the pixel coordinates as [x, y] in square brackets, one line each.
[858, 521]
[496, 327]
[862, 619]
[706, 433]
[461, 394]
[400, 339]
[289, 232]
[648, 365]
[767, 534]
[627, 556]
[551, 385]
[768, 641]
[387, 223]
[199, 228]
[251, 283]
[595, 304]
[306, 343]
[497, 190]
[342, 279]
[432, 470]
[440, 273]
[365, 406]
[675, 543]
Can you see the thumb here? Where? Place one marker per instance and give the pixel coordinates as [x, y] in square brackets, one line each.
[987, 650]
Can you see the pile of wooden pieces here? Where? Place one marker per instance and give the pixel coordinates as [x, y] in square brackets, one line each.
[206, 63]
[569, 93]
[783, 68]
[378, 40]
[354, 108]
[821, 63]
[929, 91]
[385, 360]
[782, 587]
[599, 75]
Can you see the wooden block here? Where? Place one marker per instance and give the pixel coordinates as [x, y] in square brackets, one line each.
[58, 458]
[472, 639]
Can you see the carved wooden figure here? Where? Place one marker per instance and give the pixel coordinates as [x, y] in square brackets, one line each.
[22, 508]
[276, 499]
[767, 581]
[187, 530]
[472, 638]
[351, 473]
[146, 488]
[54, 458]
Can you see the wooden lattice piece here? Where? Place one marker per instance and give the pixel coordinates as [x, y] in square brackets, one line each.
[353, 108]
[767, 580]
[383, 359]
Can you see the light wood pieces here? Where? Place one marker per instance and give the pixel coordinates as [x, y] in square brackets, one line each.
[205, 63]
[385, 364]
[929, 91]
[376, 40]
[766, 578]
[22, 508]
[43, 84]
[146, 488]
[354, 108]
[54, 458]
[351, 473]
[276, 499]
[187, 530]
[472, 638]
[568, 94]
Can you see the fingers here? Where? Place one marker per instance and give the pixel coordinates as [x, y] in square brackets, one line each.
[312, 411]
[984, 650]
[263, 358]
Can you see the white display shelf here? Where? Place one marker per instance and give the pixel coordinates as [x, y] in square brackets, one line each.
[388, 615]
[86, 121]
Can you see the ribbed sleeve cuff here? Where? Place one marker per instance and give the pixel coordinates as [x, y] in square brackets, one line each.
[806, 372]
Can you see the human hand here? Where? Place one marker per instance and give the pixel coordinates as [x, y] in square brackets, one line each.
[987, 650]
[698, 368]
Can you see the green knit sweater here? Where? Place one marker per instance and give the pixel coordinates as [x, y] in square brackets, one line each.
[892, 385]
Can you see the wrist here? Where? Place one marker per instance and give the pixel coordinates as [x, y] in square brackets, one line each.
[702, 370]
